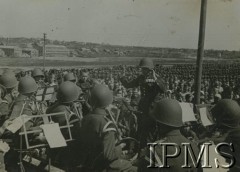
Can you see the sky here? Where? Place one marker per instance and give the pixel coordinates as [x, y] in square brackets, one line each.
[157, 23]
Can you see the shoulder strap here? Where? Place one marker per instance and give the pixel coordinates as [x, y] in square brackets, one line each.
[106, 129]
[5, 101]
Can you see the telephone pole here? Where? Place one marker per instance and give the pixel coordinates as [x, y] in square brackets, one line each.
[200, 52]
[44, 49]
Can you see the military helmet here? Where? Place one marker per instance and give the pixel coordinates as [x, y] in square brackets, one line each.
[68, 92]
[37, 72]
[27, 85]
[8, 80]
[226, 112]
[69, 77]
[101, 96]
[168, 112]
[146, 63]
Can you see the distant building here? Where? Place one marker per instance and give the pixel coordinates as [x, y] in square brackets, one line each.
[31, 52]
[2, 54]
[11, 51]
[53, 50]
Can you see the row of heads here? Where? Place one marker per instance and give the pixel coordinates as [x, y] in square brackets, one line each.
[166, 111]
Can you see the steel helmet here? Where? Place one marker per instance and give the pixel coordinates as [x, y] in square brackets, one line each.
[101, 96]
[226, 112]
[37, 72]
[27, 85]
[69, 77]
[146, 63]
[68, 92]
[168, 112]
[8, 80]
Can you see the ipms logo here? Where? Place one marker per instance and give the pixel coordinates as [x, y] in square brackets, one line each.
[191, 160]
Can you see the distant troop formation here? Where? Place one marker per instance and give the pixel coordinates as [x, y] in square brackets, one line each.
[112, 113]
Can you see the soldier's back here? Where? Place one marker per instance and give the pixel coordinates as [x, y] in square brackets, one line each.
[175, 163]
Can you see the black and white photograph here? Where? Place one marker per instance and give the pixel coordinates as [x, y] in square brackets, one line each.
[119, 85]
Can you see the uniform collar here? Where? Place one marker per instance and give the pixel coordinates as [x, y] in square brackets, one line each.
[99, 111]
[22, 97]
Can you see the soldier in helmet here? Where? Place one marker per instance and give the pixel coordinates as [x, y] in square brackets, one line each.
[38, 76]
[98, 136]
[84, 103]
[168, 116]
[226, 114]
[151, 88]
[9, 83]
[69, 77]
[24, 104]
[67, 94]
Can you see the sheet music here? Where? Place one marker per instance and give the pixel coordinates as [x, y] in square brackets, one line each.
[50, 90]
[48, 97]
[17, 123]
[40, 91]
[204, 116]
[187, 112]
[53, 135]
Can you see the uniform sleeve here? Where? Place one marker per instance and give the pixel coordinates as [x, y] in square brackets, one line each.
[15, 111]
[4, 112]
[111, 152]
[130, 84]
[161, 85]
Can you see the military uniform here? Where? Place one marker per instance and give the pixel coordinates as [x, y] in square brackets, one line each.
[65, 157]
[234, 138]
[8, 82]
[98, 136]
[61, 107]
[150, 91]
[24, 104]
[168, 116]
[175, 163]
[67, 93]
[20, 106]
[4, 111]
[226, 114]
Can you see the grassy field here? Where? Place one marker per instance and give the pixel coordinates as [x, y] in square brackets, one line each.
[57, 62]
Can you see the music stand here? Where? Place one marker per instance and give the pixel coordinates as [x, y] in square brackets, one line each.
[45, 93]
[205, 115]
[26, 132]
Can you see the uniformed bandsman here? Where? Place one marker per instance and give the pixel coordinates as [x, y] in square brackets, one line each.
[168, 116]
[99, 136]
[226, 114]
[151, 88]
